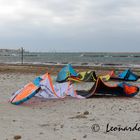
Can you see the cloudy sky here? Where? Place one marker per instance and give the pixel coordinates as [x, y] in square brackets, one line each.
[70, 25]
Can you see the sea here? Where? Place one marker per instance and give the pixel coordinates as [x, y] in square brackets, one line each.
[103, 59]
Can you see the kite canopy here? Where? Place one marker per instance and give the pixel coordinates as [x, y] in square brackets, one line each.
[86, 76]
[27, 92]
[68, 74]
[126, 75]
[65, 73]
[89, 76]
[58, 90]
[43, 87]
[101, 88]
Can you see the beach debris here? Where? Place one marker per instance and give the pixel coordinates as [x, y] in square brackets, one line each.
[41, 133]
[61, 126]
[55, 129]
[92, 119]
[81, 116]
[85, 136]
[86, 113]
[17, 137]
[44, 125]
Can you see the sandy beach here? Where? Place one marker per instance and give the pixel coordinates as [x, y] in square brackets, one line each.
[63, 119]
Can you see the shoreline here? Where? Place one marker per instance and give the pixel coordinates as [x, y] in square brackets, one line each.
[54, 69]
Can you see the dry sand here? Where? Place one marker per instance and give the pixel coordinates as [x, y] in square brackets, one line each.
[65, 119]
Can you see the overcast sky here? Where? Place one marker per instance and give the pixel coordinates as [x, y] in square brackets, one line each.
[70, 25]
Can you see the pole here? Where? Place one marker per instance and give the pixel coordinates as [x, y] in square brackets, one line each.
[22, 50]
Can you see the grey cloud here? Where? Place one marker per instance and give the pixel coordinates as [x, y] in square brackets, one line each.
[92, 25]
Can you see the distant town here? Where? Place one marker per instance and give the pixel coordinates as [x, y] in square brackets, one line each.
[10, 51]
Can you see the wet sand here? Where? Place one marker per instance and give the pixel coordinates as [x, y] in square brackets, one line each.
[62, 119]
